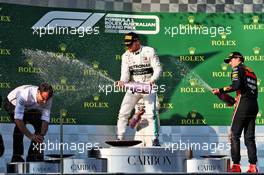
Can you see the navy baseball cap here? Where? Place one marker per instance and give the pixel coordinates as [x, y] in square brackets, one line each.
[234, 55]
[130, 38]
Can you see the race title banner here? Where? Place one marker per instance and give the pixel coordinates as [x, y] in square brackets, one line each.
[79, 53]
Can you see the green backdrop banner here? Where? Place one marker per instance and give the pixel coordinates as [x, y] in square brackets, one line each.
[79, 53]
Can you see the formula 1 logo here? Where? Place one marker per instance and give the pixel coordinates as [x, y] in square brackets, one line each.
[80, 20]
[59, 21]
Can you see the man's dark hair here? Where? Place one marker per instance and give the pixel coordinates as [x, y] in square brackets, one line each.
[45, 87]
[234, 55]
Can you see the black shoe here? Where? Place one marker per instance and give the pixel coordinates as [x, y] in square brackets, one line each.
[156, 142]
[17, 159]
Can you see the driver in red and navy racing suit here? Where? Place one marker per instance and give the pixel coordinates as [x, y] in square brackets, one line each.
[244, 82]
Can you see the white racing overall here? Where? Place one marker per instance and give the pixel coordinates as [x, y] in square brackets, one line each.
[142, 66]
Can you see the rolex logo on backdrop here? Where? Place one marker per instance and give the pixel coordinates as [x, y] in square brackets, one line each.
[259, 119]
[221, 106]
[223, 73]
[161, 98]
[194, 87]
[223, 41]
[164, 105]
[193, 82]
[63, 112]
[63, 85]
[62, 47]
[255, 24]
[192, 57]
[63, 118]
[63, 80]
[194, 118]
[260, 88]
[258, 82]
[4, 18]
[256, 50]
[193, 113]
[96, 97]
[95, 103]
[192, 50]
[29, 61]
[191, 19]
[118, 57]
[95, 70]
[95, 64]
[62, 52]
[29, 68]
[4, 51]
[223, 36]
[259, 113]
[255, 19]
[5, 85]
[224, 66]
[256, 55]
[166, 73]
[5, 119]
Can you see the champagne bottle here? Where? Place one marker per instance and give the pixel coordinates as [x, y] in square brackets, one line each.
[229, 100]
[133, 122]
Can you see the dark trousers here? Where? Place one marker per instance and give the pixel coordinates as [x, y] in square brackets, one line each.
[2, 147]
[244, 119]
[33, 117]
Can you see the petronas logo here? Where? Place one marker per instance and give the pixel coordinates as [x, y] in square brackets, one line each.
[224, 66]
[62, 47]
[192, 50]
[95, 64]
[256, 50]
[96, 97]
[191, 19]
[255, 19]
[29, 61]
[223, 35]
[63, 80]
[63, 112]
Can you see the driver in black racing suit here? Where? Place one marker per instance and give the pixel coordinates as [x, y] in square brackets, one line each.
[244, 82]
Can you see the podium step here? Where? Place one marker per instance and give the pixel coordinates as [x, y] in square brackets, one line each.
[70, 166]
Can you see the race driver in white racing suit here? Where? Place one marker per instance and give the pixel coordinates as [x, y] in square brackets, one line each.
[139, 64]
